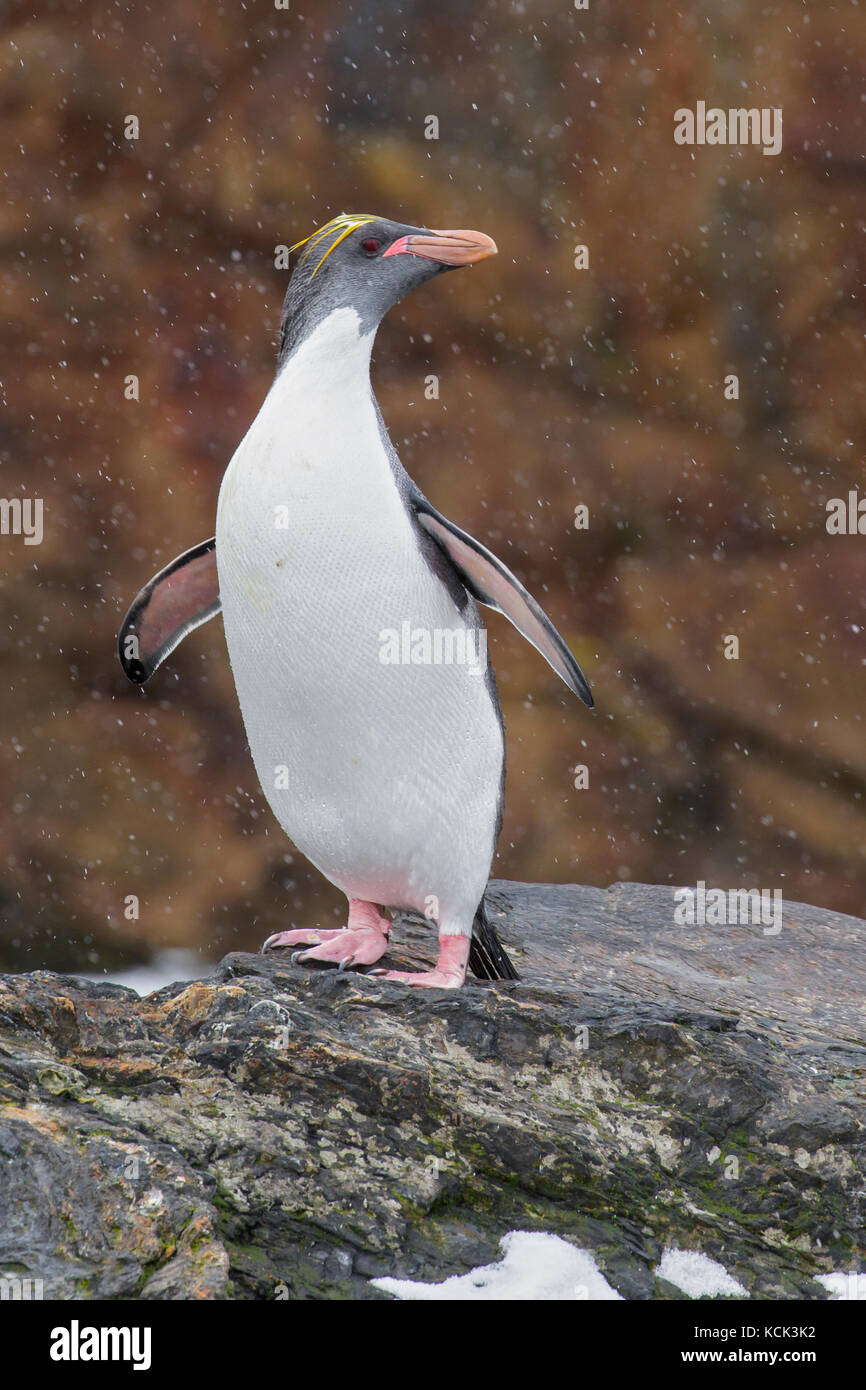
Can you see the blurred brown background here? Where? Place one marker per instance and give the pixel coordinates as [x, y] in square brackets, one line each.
[558, 387]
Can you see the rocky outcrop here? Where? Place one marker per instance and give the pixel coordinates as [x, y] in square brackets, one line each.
[276, 1131]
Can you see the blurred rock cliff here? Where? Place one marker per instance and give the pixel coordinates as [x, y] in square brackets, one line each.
[558, 387]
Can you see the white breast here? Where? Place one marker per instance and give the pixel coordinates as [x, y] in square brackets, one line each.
[386, 776]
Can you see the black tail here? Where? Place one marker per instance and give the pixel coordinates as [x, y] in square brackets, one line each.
[488, 959]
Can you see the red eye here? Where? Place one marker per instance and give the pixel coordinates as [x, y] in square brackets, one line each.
[371, 245]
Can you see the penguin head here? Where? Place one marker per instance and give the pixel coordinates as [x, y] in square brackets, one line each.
[368, 264]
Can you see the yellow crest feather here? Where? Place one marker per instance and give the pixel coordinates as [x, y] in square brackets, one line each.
[340, 227]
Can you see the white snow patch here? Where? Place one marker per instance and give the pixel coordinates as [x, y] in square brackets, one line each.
[844, 1286]
[534, 1266]
[697, 1275]
[168, 967]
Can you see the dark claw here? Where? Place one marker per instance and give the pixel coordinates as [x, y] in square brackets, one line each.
[297, 954]
[345, 963]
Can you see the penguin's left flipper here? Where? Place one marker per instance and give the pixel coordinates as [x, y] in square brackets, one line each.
[180, 598]
[493, 584]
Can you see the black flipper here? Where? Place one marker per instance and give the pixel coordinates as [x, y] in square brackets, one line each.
[180, 598]
[488, 958]
[493, 584]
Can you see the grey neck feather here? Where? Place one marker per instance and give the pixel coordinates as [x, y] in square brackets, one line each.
[308, 304]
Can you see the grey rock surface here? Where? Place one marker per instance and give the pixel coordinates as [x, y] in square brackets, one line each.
[273, 1131]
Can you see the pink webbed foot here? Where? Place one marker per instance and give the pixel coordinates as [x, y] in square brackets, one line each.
[448, 973]
[363, 941]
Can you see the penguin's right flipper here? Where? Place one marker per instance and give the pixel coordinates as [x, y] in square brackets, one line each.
[174, 602]
[492, 583]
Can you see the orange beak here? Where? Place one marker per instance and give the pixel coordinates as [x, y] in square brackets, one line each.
[448, 248]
